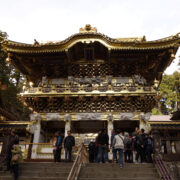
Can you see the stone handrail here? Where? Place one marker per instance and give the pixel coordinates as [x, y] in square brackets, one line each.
[81, 158]
[162, 168]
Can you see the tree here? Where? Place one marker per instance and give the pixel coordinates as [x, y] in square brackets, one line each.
[13, 80]
[170, 91]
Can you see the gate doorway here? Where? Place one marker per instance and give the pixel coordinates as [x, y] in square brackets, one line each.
[126, 125]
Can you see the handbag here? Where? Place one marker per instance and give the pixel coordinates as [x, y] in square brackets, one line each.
[15, 157]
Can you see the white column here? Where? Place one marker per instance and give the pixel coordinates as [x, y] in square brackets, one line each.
[143, 121]
[110, 128]
[144, 125]
[67, 119]
[36, 139]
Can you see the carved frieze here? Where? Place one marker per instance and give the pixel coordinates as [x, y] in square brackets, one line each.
[139, 80]
[126, 116]
[145, 116]
[52, 116]
[89, 116]
[35, 117]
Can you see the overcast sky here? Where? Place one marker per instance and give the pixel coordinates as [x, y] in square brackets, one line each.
[44, 20]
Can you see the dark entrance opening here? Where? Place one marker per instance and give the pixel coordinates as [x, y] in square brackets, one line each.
[126, 125]
[89, 126]
[49, 128]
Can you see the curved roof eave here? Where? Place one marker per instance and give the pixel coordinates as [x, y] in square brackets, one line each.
[116, 44]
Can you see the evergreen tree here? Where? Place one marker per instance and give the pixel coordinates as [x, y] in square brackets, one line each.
[170, 91]
[11, 84]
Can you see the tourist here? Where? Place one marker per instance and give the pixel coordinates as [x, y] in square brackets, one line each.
[128, 148]
[138, 143]
[17, 158]
[69, 142]
[7, 147]
[97, 154]
[143, 135]
[112, 147]
[103, 141]
[57, 147]
[92, 149]
[118, 144]
[149, 148]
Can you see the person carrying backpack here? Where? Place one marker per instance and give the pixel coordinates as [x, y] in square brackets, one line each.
[118, 144]
[127, 148]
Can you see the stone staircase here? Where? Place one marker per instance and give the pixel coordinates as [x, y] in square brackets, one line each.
[40, 171]
[113, 171]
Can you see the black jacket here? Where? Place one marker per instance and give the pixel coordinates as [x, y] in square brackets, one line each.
[103, 139]
[69, 142]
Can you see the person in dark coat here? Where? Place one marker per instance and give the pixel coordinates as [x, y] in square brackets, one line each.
[7, 146]
[149, 148]
[128, 148]
[103, 141]
[58, 147]
[138, 143]
[113, 150]
[69, 142]
[92, 149]
[143, 135]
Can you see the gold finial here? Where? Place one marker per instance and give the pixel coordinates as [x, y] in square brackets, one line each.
[88, 28]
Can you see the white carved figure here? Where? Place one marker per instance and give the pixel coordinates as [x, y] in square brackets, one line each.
[44, 80]
[126, 116]
[145, 116]
[52, 116]
[110, 117]
[35, 117]
[32, 128]
[139, 79]
[70, 80]
[89, 116]
[109, 79]
[67, 117]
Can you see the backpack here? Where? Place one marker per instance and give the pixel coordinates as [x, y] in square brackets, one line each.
[149, 142]
[128, 144]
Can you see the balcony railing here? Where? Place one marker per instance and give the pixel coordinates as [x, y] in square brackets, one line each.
[52, 89]
[44, 150]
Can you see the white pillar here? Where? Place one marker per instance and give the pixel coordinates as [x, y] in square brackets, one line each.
[143, 122]
[36, 139]
[110, 129]
[67, 119]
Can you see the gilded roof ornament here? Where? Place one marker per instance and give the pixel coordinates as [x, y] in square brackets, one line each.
[88, 28]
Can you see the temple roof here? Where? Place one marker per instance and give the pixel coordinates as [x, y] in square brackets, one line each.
[89, 35]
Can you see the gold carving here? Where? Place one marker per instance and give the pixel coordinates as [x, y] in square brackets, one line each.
[88, 28]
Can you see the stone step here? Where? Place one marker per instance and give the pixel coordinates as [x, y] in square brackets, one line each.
[45, 168]
[112, 171]
[117, 175]
[33, 178]
[115, 169]
[120, 178]
[147, 165]
[44, 164]
[40, 174]
[40, 171]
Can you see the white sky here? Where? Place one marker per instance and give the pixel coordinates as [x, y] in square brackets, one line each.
[26, 20]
